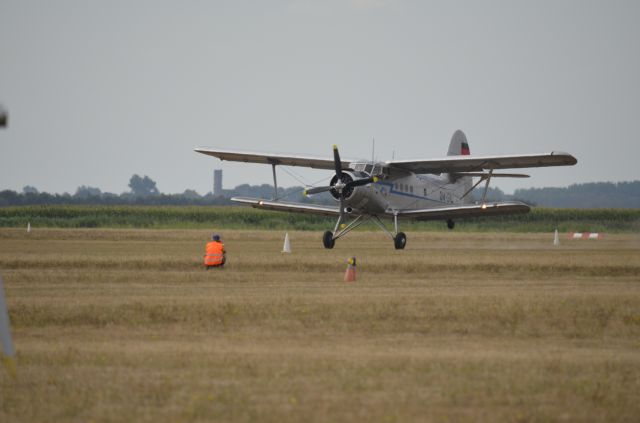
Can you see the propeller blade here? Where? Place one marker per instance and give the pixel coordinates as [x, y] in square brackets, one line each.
[360, 182]
[336, 161]
[316, 190]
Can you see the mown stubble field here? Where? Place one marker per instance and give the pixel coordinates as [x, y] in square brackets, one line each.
[125, 325]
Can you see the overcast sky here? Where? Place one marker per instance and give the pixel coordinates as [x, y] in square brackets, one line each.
[100, 90]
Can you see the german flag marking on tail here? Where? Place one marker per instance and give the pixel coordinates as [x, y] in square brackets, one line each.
[464, 149]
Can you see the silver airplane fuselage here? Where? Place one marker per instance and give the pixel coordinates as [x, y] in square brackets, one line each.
[400, 190]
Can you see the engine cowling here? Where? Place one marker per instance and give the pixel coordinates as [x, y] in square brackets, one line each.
[345, 178]
[351, 194]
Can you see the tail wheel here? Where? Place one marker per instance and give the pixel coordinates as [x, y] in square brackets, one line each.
[328, 241]
[400, 241]
[451, 224]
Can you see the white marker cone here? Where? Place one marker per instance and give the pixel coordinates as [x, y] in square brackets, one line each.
[28, 227]
[556, 239]
[286, 248]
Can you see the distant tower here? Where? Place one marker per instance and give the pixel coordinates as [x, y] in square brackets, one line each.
[217, 182]
[3, 117]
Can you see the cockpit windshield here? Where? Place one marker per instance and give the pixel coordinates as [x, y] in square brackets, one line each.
[370, 168]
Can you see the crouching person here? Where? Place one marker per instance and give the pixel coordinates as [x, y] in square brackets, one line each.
[215, 255]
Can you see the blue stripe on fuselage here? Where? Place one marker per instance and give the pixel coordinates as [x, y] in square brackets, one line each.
[393, 191]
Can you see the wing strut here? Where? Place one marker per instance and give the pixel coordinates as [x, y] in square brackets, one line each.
[487, 177]
[341, 230]
[275, 182]
[486, 187]
[382, 226]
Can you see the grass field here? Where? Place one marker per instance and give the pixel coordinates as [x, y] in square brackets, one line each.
[125, 325]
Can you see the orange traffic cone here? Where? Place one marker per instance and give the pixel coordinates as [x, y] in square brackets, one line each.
[350, 274]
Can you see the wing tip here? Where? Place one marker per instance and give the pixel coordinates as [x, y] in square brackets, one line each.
[570, 159]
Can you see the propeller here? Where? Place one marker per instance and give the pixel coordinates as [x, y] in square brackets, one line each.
[336, 161]
[316, 190]
[341, 183]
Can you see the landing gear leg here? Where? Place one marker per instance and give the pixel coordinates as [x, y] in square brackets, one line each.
[400, 240]
[451, 224]
[329, 238]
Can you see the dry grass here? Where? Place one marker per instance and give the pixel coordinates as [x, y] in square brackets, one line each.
[114, 325]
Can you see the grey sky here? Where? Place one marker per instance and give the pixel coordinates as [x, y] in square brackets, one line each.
[97, 91]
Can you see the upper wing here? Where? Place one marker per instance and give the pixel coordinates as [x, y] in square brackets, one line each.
[289, 206]
[269, 158]
[454, 164]
[471, 210]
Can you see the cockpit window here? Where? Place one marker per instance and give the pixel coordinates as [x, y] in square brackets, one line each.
[371, 168]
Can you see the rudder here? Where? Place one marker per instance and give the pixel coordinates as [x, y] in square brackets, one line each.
[458, 145]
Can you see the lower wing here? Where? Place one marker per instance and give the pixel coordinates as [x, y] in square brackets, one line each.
[471, 210]
[435, 213]
[289, 207]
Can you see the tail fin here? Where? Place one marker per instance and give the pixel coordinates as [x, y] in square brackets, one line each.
[458, 145]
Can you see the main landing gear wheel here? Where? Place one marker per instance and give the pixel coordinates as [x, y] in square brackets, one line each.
[451, 224]
[328, 241]
[400, 241]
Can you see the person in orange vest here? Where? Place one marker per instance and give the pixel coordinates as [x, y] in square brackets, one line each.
[215, 255]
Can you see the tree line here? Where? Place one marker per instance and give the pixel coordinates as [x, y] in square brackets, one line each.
[144, 191]
[619, 195]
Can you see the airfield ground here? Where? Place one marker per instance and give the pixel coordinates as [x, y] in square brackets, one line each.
[125, 325]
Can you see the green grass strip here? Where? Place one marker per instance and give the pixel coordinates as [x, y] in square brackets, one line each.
[196, 217]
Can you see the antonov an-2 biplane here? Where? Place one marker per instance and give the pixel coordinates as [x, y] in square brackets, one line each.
[432, 189]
